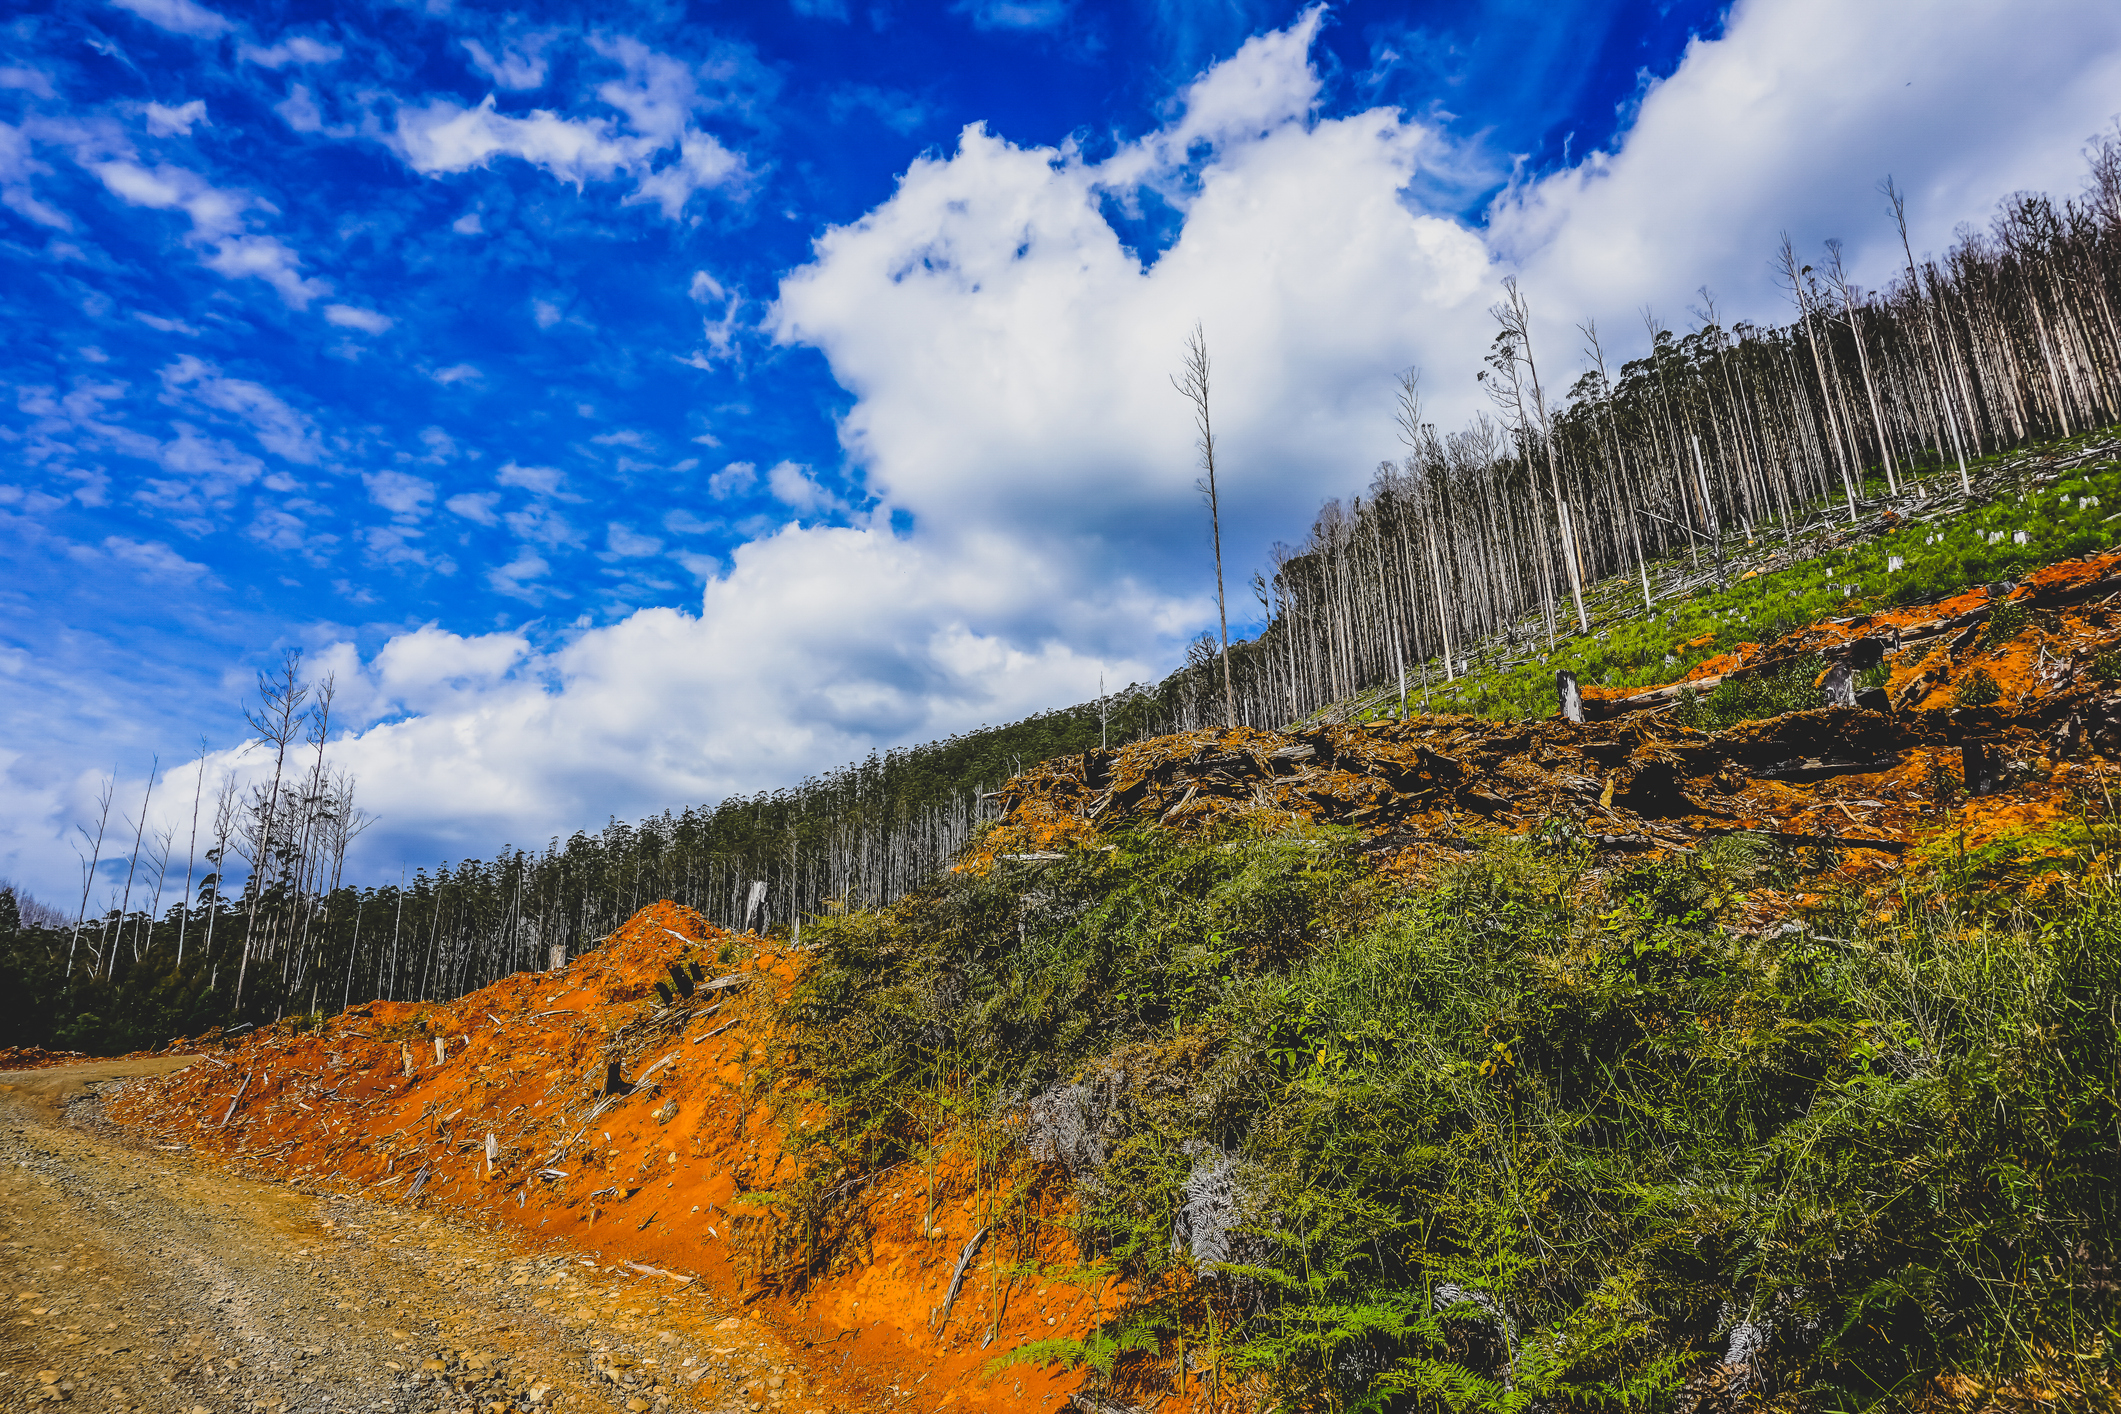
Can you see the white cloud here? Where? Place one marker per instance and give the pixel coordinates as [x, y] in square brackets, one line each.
[154, 559]
[476, 506]
[1766, 129]
[295, 49]
[1010, 356]
[794, 487]
[17, 166]
[165, 122]
[347, 316]
[177, 16]
[300, 110]
[206, 471]
[217, 224]
[515, 578]
[811, 648]
[166, 326]
[541, 524]
[455, 373]
[27, 80]
[628, 543]
[702, 165]
[469, 224]
[545, 312]
[404, 496]
[516, 67]
[538, 480]
[669, 158]
[444, 137]
[279, 428]
[732, 480]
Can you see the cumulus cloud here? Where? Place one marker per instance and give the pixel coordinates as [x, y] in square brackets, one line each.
[1765, 129]
[1010, 355]
[795, 660]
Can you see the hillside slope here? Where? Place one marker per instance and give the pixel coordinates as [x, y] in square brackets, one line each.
[1430, 1063]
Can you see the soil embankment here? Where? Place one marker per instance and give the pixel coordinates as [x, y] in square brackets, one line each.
[504, 1106]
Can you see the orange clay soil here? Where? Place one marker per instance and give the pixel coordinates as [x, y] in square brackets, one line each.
[397, 1100]
[37, 1058]
[1864, 783]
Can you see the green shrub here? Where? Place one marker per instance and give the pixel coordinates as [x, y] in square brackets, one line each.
[2005, 622]
[1977, 688]
[1756, 695]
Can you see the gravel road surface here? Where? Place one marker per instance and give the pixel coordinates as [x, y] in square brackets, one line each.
[137, 1277]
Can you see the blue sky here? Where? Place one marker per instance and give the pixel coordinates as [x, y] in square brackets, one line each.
[634, 404]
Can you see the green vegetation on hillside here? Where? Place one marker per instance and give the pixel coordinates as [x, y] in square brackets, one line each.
[1529, 1138]
[1627, 648]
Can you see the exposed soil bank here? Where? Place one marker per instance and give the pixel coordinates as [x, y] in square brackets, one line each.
[676, 1176]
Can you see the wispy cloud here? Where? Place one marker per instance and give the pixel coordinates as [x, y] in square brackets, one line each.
[347, 316]
[517, 66]
[295, 49]
[178, 16]
[168, 122]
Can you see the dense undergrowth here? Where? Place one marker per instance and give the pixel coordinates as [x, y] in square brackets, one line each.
[1535, 1135]
[1628, 648]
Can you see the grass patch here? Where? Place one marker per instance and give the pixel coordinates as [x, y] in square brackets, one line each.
[1531, 1135]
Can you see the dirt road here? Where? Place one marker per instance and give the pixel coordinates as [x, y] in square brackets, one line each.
[137, 1277]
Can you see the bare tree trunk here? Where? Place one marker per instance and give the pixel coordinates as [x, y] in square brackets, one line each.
[1192, 382]
[95, 857]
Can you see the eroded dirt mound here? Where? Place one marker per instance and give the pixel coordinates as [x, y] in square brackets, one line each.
[506, 1103]
[1997, 705]
[36, 1058]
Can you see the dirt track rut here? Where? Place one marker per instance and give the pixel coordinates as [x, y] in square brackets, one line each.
[138, 1278]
